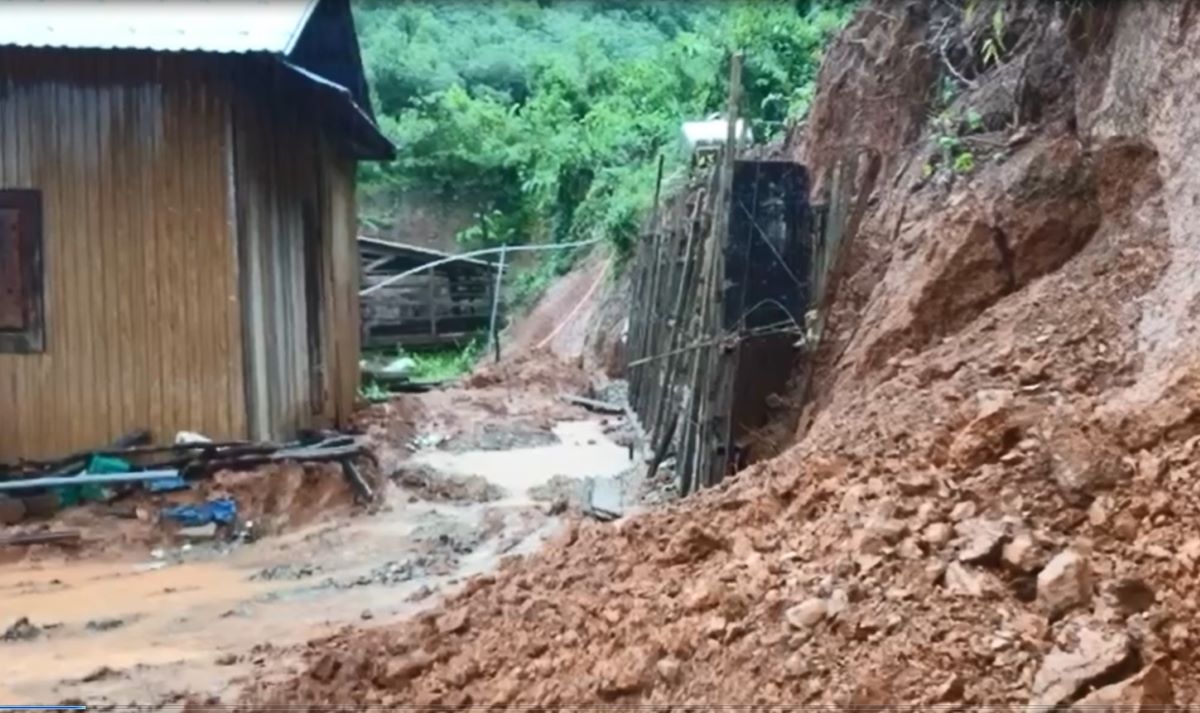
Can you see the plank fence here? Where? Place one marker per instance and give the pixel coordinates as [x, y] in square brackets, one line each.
[729, 286]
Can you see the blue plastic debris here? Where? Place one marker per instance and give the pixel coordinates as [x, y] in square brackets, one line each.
[166, 485]
[221, 511]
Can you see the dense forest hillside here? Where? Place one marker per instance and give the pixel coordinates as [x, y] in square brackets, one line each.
[555, 112]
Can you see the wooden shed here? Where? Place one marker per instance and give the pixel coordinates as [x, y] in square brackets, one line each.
[177, 219]
[448, 303]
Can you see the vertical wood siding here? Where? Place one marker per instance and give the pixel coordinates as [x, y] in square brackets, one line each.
[344, 317]
[141, 280]
[280, 166]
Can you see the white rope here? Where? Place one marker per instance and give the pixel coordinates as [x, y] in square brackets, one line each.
[463, 256]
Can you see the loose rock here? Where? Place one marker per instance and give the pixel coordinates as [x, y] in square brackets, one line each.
[984, 540]
[807, 614]
[22, 630]
[1022, 553]
[1065, 671]
[1065, 583]
[452, 622]
[963, 582]
[1149, 690]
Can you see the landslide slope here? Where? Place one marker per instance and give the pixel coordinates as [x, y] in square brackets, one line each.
[993, 498]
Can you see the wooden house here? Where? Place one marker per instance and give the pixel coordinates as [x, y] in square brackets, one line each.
[177, 219]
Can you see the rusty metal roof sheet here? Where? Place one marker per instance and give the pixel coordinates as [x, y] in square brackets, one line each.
[225, 26]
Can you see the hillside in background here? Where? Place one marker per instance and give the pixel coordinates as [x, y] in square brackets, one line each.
[547, 118]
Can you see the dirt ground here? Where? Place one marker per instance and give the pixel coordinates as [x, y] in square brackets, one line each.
[992, 495]
[139, 615]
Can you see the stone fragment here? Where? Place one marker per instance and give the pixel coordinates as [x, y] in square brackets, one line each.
[626, 673]
[401, 670]
[1022, 553]
[715, 626]
[950, 691]
[1096, 651]
[325, 668]
[669, 669]
[963, 582]
[984, 540]
[1064, 583]
[963, 510]
[937, 534]
[807, 614]
[452, 622]
[838, 602]
[1189, 553]
[1149, 690]
[915, 484]
[796, 665]
[1081, 466]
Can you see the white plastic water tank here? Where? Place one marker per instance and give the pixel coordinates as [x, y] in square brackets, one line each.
[712, 133]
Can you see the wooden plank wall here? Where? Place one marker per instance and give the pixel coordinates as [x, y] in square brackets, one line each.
[343, 314]
[141, 292]
[281, 164]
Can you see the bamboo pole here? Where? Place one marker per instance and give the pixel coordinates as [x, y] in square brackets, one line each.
[722, 364]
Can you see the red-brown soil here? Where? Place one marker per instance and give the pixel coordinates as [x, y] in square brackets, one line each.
[994, 495]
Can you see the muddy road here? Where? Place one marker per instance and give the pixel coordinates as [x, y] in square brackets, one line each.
[475, 474]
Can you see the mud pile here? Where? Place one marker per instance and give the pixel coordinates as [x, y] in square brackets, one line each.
[995, 494]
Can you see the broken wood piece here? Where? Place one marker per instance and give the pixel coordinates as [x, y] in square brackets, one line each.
[357, 481]
[41, 538]
[594, 404]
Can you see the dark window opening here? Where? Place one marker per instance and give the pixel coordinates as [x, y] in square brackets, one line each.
[21, 322]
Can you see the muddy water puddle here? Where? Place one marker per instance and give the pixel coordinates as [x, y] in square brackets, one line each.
[144, 632]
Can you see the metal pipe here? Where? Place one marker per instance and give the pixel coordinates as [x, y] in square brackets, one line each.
[85, 479]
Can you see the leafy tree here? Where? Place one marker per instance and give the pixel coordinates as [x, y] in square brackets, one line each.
[556, 111]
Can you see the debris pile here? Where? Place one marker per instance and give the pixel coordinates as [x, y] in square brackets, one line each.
[133, 479]
[994, 496]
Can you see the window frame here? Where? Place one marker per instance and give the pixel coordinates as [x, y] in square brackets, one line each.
[31, 338]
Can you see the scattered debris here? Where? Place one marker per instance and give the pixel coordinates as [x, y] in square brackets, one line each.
[431, 485]
[105, 624]
[100, 674]
[198, 532]
[221, 511]
[426, 441]
[286, 572]
[604, 499]
[22, 630]
[604, 407]
[41, 538]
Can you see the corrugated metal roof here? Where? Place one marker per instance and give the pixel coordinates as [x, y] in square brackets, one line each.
[161, 25]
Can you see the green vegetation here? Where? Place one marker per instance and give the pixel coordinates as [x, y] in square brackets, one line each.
[445, 363]
[556, 111]
[428, 365]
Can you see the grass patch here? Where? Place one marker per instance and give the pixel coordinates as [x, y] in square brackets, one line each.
[444, 364]
[425, 366]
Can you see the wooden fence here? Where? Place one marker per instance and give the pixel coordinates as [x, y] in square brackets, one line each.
[729, 283]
